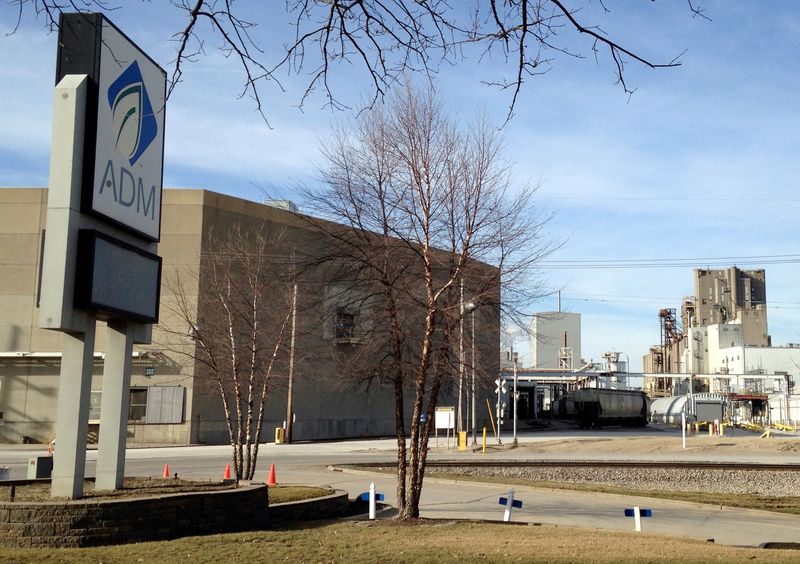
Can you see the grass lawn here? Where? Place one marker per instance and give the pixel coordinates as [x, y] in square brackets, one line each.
[136, 487]
[421, 541]
[282, 494]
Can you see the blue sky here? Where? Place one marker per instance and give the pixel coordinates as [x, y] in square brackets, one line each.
[700, 163]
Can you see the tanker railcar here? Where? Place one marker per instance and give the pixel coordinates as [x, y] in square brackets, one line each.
[596, 407]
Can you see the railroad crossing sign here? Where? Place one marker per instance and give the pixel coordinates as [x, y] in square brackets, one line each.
[501, 387]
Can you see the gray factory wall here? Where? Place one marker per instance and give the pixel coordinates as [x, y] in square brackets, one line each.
[322, 411]
[325, 406]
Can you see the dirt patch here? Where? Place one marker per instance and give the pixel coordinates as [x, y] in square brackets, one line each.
[788, 447]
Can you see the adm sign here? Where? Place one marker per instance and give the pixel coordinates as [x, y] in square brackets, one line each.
[124, 148]
[103, 223]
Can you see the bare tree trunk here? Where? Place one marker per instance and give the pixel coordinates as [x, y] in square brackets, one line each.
[445, 210]
[238, 323]
[442, 364]
[411, 509]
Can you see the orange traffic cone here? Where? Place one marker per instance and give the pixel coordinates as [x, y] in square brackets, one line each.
[166, 470]
[227, 475]
[271, 480]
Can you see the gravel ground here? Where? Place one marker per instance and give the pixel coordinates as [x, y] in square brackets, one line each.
[757, 482]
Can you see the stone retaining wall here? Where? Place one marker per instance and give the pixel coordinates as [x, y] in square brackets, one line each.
[328, 507]
[95, 522]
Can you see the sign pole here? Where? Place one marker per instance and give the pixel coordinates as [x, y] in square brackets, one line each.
[72, 419]
[372, 500]
[509, 505]
[99, 258]
[114, 408]
[74, 390]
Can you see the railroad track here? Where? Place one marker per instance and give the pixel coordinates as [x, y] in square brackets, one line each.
[591, 464]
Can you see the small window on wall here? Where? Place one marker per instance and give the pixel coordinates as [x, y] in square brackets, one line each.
[345, 327]
[138, 403]
[156, 404]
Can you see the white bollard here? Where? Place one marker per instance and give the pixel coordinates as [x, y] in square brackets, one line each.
[372, 500]
[507, 514]
[637, 519]
[683, 428]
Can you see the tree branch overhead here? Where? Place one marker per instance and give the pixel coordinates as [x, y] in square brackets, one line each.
[383, 41]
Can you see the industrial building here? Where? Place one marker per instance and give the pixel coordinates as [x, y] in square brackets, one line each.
[556, 340]
[556, 368]
[172, 400]
[721, 346]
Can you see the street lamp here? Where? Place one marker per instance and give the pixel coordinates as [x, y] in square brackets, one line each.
[474, 426]
[514, 358]
[468, 307]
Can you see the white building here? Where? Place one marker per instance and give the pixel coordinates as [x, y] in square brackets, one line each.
[556, 340]
[771, 371]
[719, 349]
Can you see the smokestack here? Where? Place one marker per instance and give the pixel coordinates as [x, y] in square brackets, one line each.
[558, 301]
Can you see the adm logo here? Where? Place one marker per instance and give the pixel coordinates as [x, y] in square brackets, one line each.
[134, 128]
[134, 124]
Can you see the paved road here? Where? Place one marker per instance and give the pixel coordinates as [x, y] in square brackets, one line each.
[308, 463]
[449, 499]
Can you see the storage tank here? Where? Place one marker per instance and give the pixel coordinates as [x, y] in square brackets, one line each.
[668, 410]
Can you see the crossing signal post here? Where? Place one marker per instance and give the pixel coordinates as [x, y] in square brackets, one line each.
[502, 395]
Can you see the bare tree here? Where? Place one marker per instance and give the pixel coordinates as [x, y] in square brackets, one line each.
[387, 40]
[421, 206]
[237, 329]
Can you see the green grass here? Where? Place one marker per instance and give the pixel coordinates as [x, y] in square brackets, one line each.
[422, 541]
[283, 494]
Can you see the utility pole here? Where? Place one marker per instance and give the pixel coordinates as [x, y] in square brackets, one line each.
[514, 360]
[460, 353]
[474, 424]
[289, 407]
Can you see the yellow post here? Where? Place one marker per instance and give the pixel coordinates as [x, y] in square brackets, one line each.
[483, 450]
[462, 440]
[491, 419]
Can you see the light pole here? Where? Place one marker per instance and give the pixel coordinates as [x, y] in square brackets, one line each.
[463, 308]
[514, 360]
[290, 393]
[460, 354]
[474, 426]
